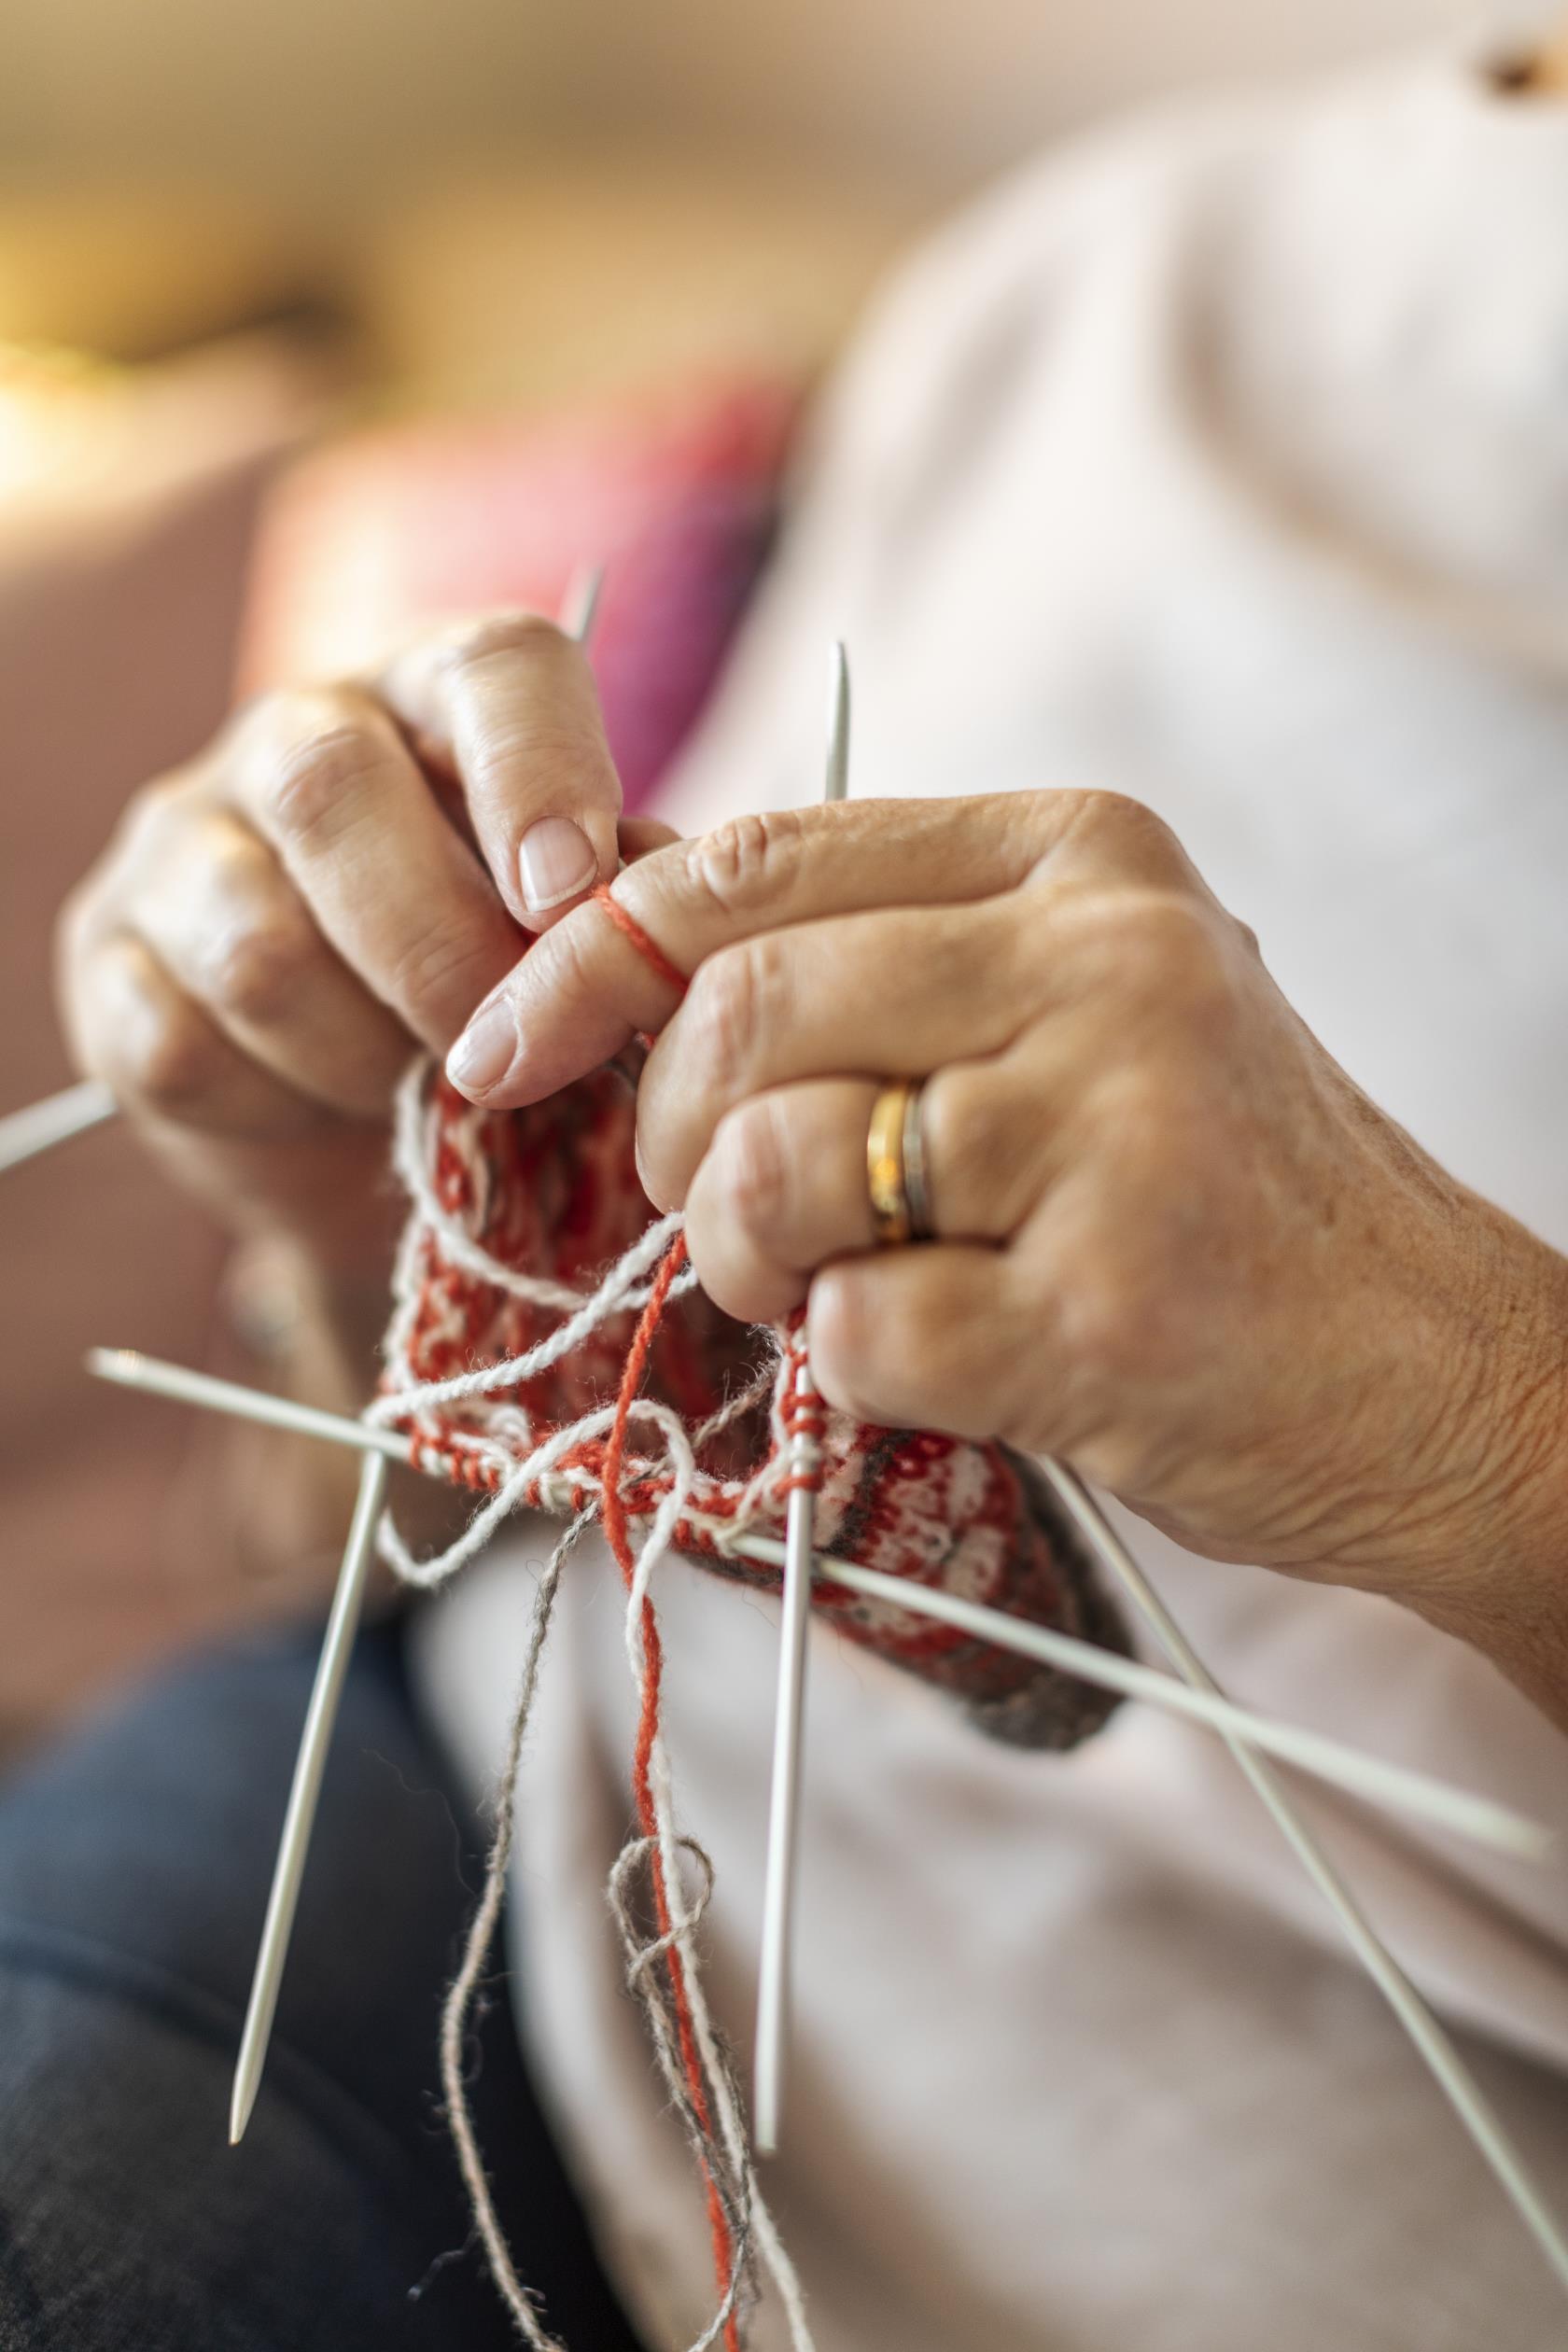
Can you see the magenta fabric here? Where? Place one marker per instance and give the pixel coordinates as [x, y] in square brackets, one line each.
[677, 495]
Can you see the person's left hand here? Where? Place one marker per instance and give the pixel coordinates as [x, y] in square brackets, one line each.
[1177, 1245]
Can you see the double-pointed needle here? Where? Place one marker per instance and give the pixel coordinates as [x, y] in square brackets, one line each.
[1372, 1778]
[1194, 1697]
[42, 1125]
[783, 1840]
[337, 1646]
[293, 1846]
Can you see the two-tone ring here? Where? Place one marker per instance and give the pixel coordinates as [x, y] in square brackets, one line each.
[896, 1175]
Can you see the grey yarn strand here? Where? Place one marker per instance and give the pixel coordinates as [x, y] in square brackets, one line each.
[458, 2005]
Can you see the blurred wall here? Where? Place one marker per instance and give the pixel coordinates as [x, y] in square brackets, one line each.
[345, 101]
[943, 92]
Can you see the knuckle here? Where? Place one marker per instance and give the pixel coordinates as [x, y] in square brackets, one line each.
[1187, 961]
[752, 1167]
[727, 1009]
[1128, 826]
[1123, 840]
[980, 1152]
[1158, 951]
[175, 1062]
[438, 976]
[486, 635]
[254, 969]
[316, 767]
[736, 868]
[145, 822]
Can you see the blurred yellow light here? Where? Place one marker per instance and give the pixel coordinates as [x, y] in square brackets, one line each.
[52, 410]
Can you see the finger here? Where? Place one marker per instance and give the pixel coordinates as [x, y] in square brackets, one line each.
[163, 1059]
[893, 994]
[579, 995]
[325, 778]
[926, 1338]
[783, 1189]
[229, 929]
[510, 705]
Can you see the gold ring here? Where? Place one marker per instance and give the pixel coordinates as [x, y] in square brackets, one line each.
[896, 1167]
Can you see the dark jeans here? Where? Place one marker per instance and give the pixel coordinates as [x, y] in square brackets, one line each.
[133, 1870]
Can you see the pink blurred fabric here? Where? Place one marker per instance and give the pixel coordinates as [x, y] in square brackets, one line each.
[122, 633]
[118, 615]
[677, 495]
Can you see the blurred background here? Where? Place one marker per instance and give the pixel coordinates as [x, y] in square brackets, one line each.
[317, 318]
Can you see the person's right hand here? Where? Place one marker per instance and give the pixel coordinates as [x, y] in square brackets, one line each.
[346, 871]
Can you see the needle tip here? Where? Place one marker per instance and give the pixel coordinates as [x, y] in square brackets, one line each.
[240, 2106]
[580, 603]
[764, 2122]
[837, 782]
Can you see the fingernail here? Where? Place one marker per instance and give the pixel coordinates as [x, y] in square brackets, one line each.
[482, 1054]
[556, 862]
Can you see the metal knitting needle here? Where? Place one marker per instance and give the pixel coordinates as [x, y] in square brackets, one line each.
[783, 1840]
[337, 1647]
[293, 1846]
[1195, 1697]
[580, 604]
[1430, 2039]
[26, 1133]
[1371, 1778]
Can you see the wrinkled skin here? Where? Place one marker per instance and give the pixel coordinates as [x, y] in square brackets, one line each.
[1176, 1244]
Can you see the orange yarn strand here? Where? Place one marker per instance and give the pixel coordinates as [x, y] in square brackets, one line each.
[614, 1519]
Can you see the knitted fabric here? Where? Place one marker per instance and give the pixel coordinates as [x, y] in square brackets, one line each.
[502, 1352]
[508, 1345]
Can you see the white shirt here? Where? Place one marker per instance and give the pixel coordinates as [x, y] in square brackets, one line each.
[1223, 461]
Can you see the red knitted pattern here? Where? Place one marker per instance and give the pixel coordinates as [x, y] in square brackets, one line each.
[553, 1192]
[520, 1221]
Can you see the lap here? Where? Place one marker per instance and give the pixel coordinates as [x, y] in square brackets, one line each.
[135, 1862]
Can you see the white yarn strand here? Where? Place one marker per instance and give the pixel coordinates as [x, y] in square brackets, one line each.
[1392, 1786]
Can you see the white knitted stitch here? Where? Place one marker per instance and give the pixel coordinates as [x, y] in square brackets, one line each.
[411, 1158]
[494, 1445]
[611, 1297]
[567, 1490]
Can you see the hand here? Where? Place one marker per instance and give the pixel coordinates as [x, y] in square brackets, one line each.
[347, 870]
[1177, 1245]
